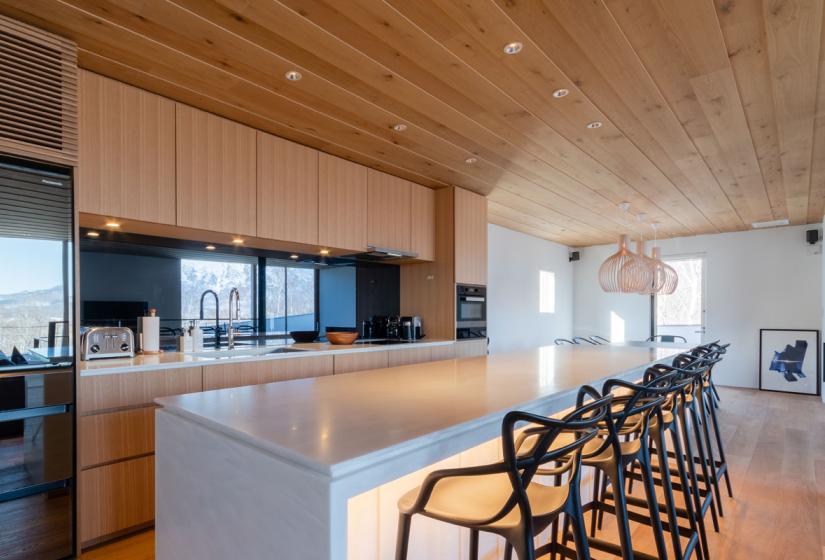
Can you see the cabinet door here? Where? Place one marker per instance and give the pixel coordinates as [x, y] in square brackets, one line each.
[287, 190]
[342, 203]
[407, 356]
[470, 238]
[265, 371]
[358, 361]
[127, 157]
[215, 173]
[105, 393]
[470, 348]
[388, 211]
[422, 218]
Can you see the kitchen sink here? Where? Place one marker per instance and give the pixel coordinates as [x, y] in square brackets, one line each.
[245, 352]
[286, 350]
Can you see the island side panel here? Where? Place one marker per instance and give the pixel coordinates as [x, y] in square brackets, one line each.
[218, 498]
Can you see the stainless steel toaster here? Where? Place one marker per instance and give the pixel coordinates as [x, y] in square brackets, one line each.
[107, 342]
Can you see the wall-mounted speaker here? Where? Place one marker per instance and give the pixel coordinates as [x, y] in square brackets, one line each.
[812, 236]
[574, 256]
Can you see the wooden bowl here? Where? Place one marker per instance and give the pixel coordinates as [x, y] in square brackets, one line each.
[341, 337]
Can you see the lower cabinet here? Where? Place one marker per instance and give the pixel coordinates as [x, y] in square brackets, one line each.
[265, 371]
[357, 361]
[407, 356]
[116, 497]
[114, 436]
[443, 352]
[470, 348]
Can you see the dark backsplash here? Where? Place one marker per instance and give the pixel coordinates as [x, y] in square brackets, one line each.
[377, 291]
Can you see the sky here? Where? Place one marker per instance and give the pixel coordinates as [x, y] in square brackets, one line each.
[29, 265]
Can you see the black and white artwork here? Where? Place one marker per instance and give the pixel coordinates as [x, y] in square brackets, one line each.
[789, 361]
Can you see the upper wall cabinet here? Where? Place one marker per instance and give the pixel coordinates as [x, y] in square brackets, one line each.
[342, 203]
[388, 211]
[422, 217]
[287, 190]
[216, 173]
[470, 238]
[127, 156]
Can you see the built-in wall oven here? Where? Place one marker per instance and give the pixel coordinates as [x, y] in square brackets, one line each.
[37, 440]
[471, 311]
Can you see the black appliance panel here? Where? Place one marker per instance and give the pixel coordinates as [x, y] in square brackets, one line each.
[471, 306]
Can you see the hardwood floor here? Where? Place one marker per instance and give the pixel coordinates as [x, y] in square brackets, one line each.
[776, 454]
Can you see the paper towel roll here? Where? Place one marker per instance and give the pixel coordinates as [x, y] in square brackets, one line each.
[150, 332]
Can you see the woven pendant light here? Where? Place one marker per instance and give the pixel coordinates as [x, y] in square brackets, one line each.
[624, 271]
[656, 267]
[670, 277]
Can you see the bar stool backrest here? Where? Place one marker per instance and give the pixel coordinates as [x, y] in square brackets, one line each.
[563, 341]
[577, 339]
[599, 339]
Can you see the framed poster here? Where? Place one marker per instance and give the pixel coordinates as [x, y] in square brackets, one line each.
[789, 361]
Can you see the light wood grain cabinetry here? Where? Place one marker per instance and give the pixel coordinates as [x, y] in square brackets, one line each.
[114, 436]
[287, 190]
[127, 156]
[470, 238]
[342, 203]
[118, 390]
[265, 371]
[216, 173]
[406, 356]
[345, 363]
[443, 352]
[422, 219]
[116, 497]
[388, 211]
[470, 348]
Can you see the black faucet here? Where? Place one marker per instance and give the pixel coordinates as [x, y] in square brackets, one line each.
[217, 316]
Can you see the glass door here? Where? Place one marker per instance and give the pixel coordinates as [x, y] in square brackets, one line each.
[682, 313]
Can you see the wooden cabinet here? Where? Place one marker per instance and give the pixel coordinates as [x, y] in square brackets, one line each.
[342, 203]
[127, 156]
[422, 222]
[114, 436]
[116, 497]
[287, 190]
[121, 390]
[470, 348]
[470, 238]
[357, 361]
[444, 352]
[406, 356]
[388, 211]
[216, 173]
[265, 371]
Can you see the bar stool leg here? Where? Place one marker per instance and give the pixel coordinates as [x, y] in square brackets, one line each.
[696, 525]
[402, 542]
[473, 544]
[721, 449]
[596, 498]
[615, 473]
[652, 500]
[705, 405]
[703, 461]
[694, 481]
[670, 502]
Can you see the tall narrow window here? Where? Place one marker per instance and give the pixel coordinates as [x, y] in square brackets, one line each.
[547, 292]
[290, 298]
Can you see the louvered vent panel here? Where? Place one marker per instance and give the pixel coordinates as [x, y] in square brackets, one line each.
[38, 93]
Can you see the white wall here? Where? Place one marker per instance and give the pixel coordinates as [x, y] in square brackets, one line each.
[514, 263]
[755, 279]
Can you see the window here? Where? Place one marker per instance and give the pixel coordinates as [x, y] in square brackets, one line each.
[547, 292]
[220, 276]
[290, 298]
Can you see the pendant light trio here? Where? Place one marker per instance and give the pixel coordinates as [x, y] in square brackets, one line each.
[636, 273]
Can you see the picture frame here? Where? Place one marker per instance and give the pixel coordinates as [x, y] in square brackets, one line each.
[790, 361]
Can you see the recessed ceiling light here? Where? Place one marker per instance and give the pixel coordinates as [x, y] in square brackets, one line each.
[324, 251]
[210, 247]
[293, 75]
[112, 224]
[237, 241]
[470, 160]
[773, 223]
[594, 124]
[559, 93]
[400, 127]
[513, 48]
[294, 257]
[92, 234]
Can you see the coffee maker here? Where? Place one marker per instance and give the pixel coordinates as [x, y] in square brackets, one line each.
[411, 328]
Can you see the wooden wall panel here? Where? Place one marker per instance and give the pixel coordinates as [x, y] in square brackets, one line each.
[116, 497]
[345, 363]
[127, 156]
[117, 390]
[422, 222]
[287, 190]
[342, 203]
[216, 173]
[114, 436]
[388, 211]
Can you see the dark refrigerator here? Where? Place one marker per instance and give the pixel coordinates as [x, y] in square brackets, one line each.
[37, 413]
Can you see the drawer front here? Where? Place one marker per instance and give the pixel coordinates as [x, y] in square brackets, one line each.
[408, 356]
[123, 390]
[445, 352]
[113, 436]
[471, 348]
[345, 363]
[116, 497]
[266, 371]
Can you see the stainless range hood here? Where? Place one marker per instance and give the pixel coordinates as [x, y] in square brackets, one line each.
[384, 254]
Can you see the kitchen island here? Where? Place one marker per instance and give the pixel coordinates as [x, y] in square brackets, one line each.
[312, 468]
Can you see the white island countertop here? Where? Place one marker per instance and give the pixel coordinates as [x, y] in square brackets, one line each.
[338, 424]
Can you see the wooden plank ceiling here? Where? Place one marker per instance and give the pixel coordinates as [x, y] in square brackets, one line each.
[713, 113]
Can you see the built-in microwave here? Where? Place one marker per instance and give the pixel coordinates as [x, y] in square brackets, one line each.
[471, 311]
